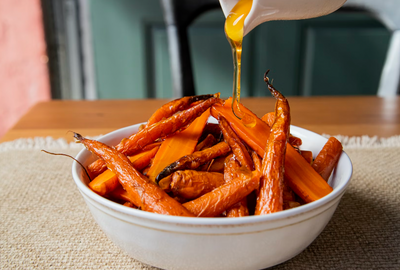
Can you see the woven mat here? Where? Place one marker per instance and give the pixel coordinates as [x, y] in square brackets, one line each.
[45, 223]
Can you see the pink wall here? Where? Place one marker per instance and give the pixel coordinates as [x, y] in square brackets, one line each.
[23, 62]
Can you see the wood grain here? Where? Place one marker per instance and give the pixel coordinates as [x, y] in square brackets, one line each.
[352, 116]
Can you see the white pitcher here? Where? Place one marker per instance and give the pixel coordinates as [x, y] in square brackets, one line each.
[271, 10]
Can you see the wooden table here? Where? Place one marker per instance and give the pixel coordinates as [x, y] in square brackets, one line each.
[352, 116]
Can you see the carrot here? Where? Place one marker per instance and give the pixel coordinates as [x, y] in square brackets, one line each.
[175, 106]
[104, 183]
[302, 178]
[327, 158]
[144, 194]
[130, 205]
[120, 194]
[231, 171]
[294, 141]
[191, 184]
[178, 145]
[193, 161]
[269, 118]
[270, 196]
[215, 202]
[307, 155]
[207, 142]
[107, 181]
[256, 160]
[238, 148]
[149, 134]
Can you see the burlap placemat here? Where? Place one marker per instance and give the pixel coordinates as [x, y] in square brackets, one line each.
[45, 223]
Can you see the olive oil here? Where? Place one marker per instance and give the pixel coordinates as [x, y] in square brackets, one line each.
[234, 32]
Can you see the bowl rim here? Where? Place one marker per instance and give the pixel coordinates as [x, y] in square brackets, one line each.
[208, 221]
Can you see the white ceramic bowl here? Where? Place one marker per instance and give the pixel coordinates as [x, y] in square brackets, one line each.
[252, 242]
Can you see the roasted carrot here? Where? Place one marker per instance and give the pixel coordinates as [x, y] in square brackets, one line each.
[215, 165]
[231, 171]
[175, 106]
[151, 133]
[231, 168]
[270, 196]
[104, 183]
[302, 178]
[213, 129]
[255, 137]
[107, 181]
[256, 160]
[239, 209]
[191, 184]
[238, 148]
[207, 142]
[178, 145]
[307, 155]
[215, 202]
[151, 146]
[146, 195]
[130, 205]
[327, 158]
[120, 194]
[269, 118]
[194, 160]
[294, 141]
[165, 183]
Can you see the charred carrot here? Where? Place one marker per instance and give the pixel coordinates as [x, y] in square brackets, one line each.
[327, 158]
[175, 106]
[194, 160]
[302, 178]
[150, 133]
[148, 196]
[270, 196]
[107, 181]
[213, 203]
[178, 145]
[191, 184]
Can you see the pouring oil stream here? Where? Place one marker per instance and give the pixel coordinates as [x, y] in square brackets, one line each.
[234, 25]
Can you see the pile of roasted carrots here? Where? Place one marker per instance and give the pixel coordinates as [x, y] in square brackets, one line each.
[181, 164]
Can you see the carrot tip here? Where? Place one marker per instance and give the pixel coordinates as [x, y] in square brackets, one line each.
[78, 137]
